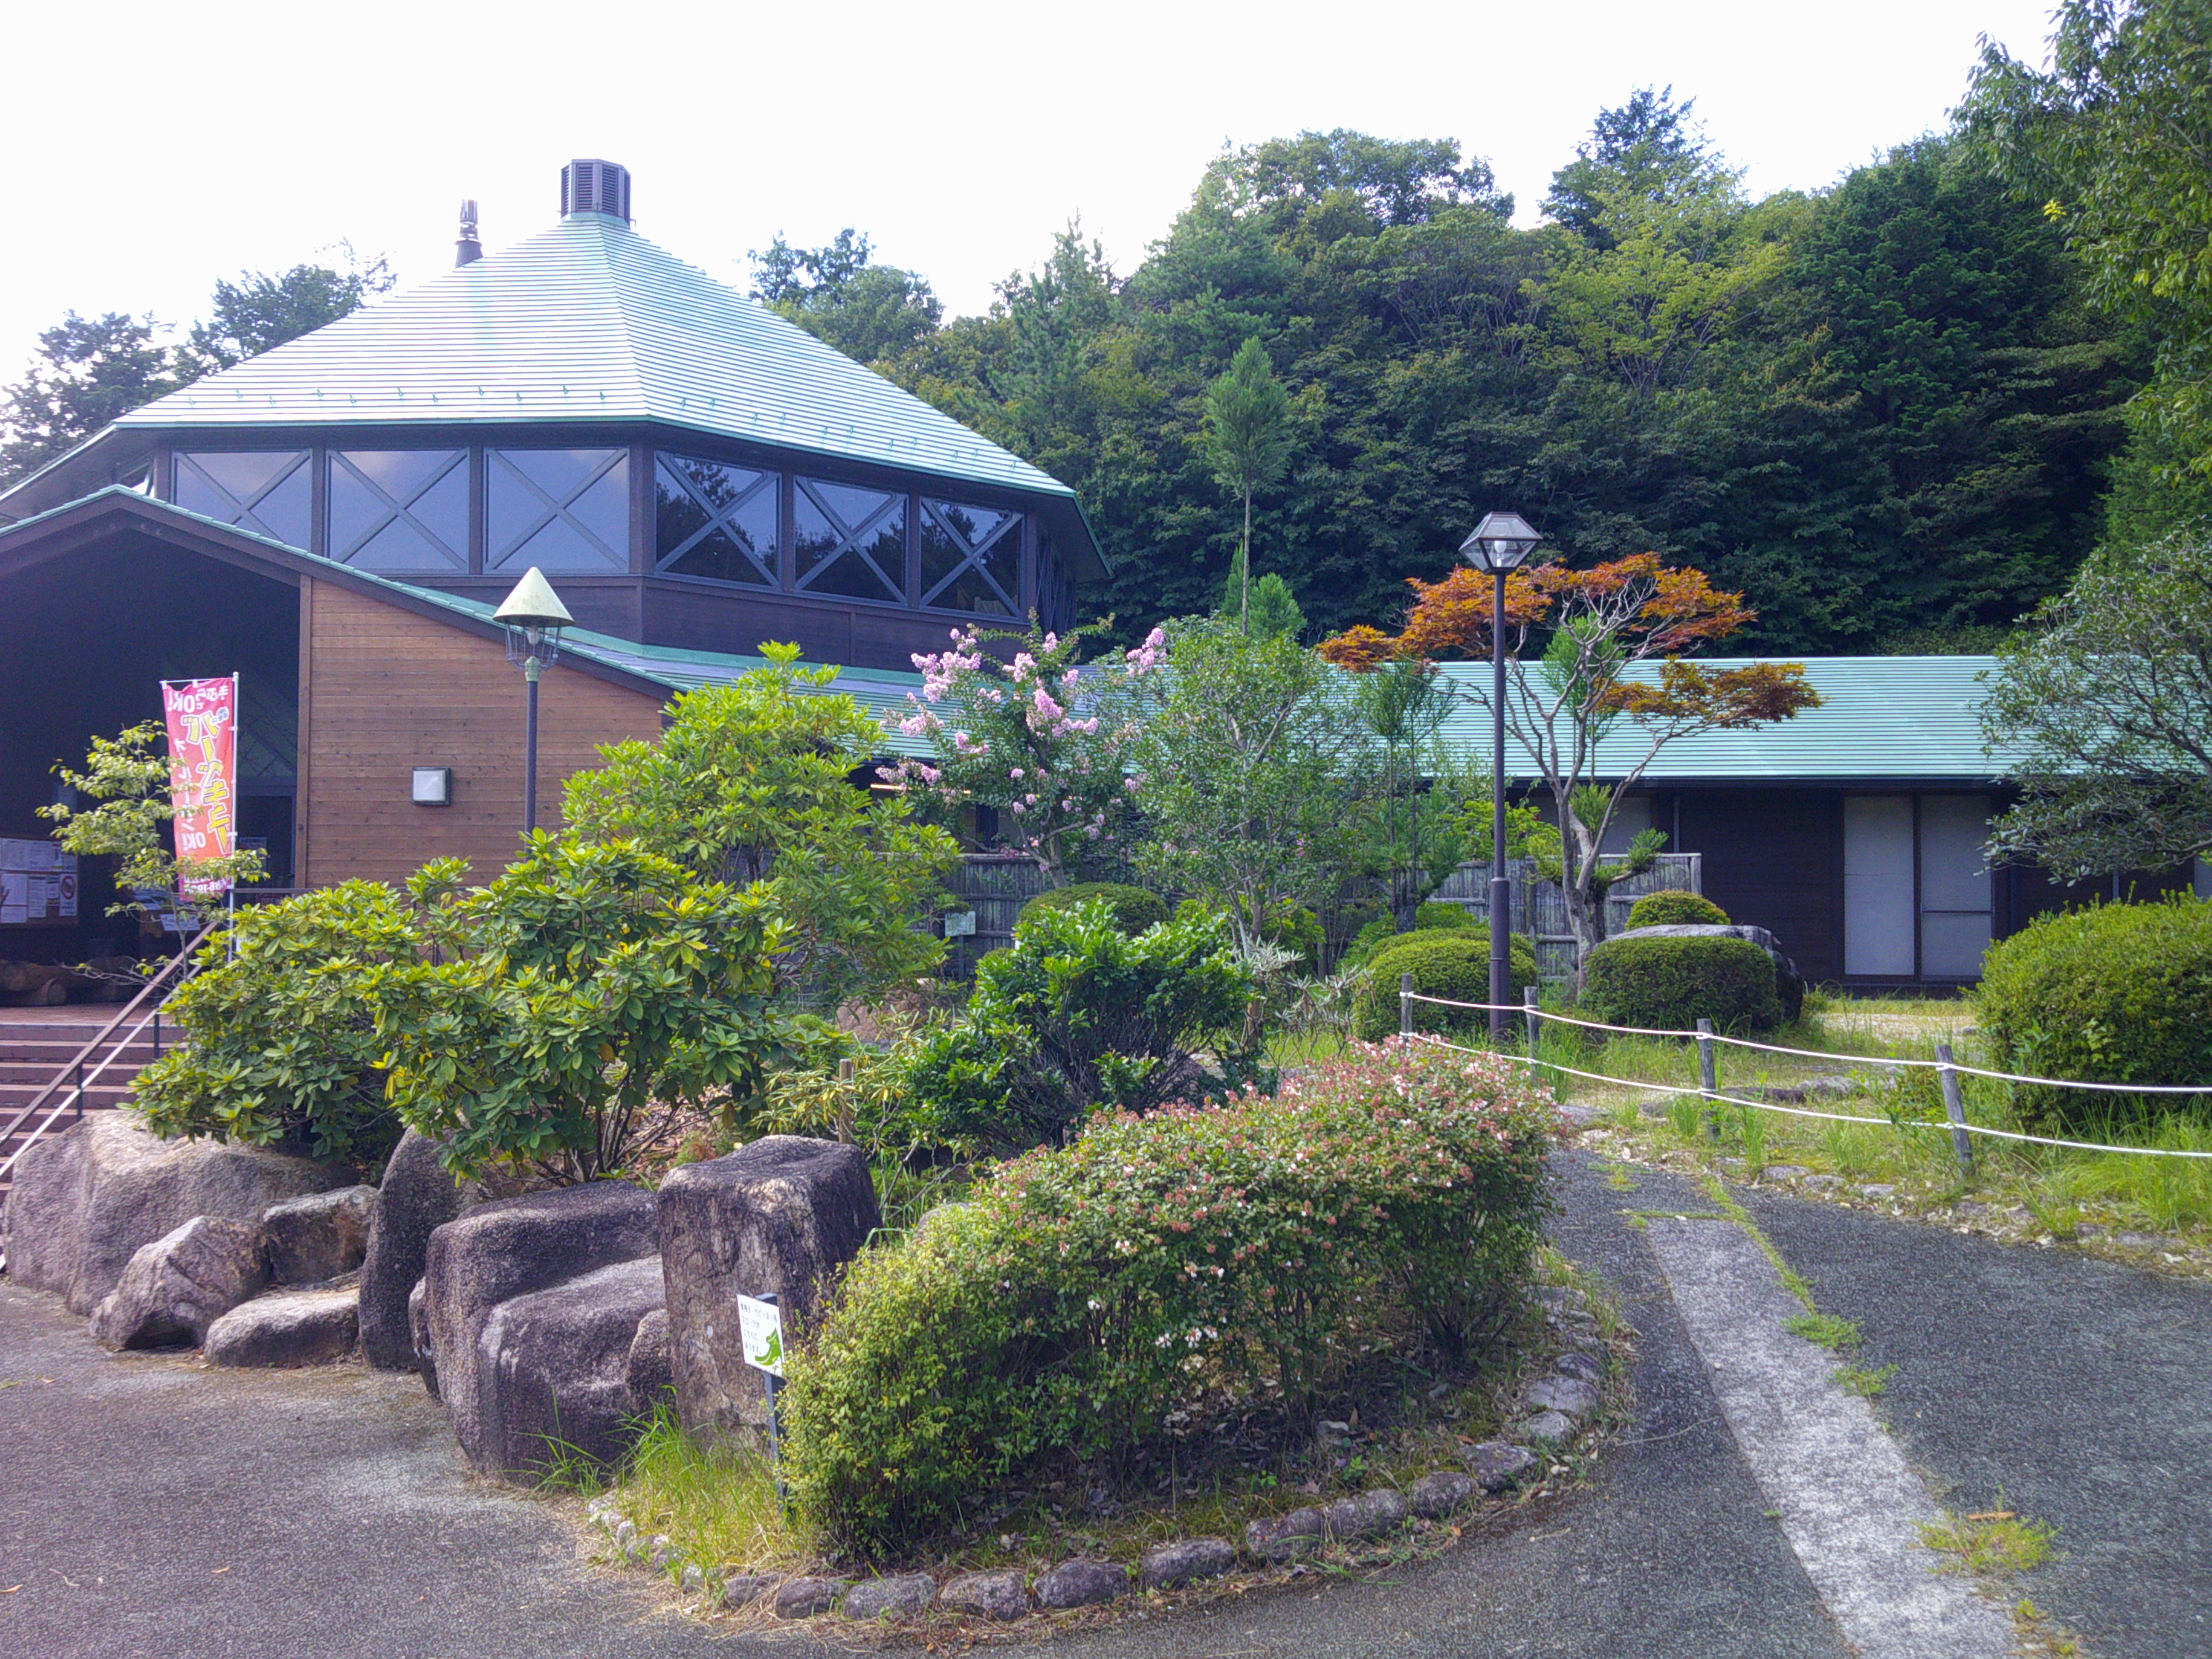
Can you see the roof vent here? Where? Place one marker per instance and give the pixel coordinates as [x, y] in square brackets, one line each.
[595, 187]
[467, 249]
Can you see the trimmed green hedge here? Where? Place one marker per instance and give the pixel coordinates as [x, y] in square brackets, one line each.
[1134, 909]
[1439, 916]
[2113, 994]
[1673, 983]
[1085, 1294]
[1675, 910]
[1443, 964]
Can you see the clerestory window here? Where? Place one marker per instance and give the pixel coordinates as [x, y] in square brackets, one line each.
[971, 558]
[851, 542]
[266, 491]
[399, 509]
[719, 523]
[562, 509]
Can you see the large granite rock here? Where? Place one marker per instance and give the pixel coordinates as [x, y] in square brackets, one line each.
[301, 1328]
[84, 1202]
[317, 1237]
[780, 1217]
[416, 1199]
[1789, 983]
[558, 1361]
[510, 1248]
[652, 1374]
[177, 1286]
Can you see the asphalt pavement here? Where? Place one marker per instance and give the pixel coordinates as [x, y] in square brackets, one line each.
[150, 1507]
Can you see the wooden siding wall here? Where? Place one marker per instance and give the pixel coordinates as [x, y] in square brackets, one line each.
[1774, 859]
[384, 690]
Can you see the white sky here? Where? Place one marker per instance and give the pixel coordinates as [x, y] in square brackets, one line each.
[155, 147]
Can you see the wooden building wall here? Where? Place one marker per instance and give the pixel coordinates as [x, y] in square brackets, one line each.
[1774, 859]
[384, 690]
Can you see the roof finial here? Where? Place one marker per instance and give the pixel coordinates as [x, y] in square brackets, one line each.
[467, 250]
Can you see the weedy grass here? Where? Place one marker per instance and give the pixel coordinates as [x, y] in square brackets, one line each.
[1828, 1331]
[718, 1503]
[1993, 1544]
[1865, 1383]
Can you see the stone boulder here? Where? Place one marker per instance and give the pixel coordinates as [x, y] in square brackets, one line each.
[898, 1597]
[416, 1198]
[177, 1286]
[780, 1217]
[319, 1237]
[651, 1376]
[999, 1595]
[510, 1248]
[1081, 1585]
[418, 1333]
[303, 1327]
[84, 1202]
[557, 1383]
[1187, 1560]
[1789, 983]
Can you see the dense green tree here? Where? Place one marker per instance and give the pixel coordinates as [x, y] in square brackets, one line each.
[2115, 141]
[1246, 435]
[869, 311]
[1647, 147]
[88, 370]
[260, 311]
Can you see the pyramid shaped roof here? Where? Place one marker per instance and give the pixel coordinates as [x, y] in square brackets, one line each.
[589, 321]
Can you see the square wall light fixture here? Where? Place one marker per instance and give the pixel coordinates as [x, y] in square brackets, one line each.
[433, 786]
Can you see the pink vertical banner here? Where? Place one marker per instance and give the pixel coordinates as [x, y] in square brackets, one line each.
[203, 720]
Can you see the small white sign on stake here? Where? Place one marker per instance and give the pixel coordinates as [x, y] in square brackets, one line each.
[760, 1333]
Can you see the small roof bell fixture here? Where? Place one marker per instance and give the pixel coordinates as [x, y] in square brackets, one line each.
[1502, 542]
[533, 616]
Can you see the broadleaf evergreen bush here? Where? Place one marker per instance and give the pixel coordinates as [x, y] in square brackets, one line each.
[1671, 984]
[1389, 1197]
[1675, 908]
[1449, 963]
[1134, 909]
[2112, 993]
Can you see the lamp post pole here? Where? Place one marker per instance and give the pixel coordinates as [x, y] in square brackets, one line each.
[1501, 888]
[1498, 544]
[532, 669]
[533, 617]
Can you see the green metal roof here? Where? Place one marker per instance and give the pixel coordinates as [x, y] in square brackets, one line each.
[1879, 718]
[589, 321]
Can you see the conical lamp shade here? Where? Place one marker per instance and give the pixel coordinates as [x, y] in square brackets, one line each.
[533, 605]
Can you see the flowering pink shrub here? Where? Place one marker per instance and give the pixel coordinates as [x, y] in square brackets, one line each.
[1042, 738]
[1238, 1257]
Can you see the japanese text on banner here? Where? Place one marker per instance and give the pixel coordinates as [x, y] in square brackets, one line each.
[202, 719]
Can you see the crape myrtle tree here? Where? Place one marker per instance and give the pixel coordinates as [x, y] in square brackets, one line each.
[1044, 741]
[2104, 709]
[1610, 677]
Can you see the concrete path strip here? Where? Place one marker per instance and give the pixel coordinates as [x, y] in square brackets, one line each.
[1848, 1503]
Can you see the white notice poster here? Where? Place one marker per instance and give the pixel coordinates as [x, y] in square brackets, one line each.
[760, 1332]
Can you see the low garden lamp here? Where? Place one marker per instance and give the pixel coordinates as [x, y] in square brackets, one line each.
[1500, 543]
[533, 617]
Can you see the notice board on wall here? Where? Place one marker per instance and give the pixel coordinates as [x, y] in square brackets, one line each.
[38, 883]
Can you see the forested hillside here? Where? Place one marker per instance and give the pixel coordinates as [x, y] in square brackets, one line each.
[1888, 412]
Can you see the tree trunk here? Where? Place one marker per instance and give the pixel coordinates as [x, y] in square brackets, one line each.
[1244, 570]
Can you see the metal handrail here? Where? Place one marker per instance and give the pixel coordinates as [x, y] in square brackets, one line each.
[76, 1063]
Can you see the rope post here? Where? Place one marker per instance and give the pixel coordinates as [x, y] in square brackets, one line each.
[1954, 1107]
[1406, 1006]
[1530, 1014]
[1708, 1085]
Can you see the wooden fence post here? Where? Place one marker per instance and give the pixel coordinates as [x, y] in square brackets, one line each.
[1954, 1107]
[1708, 1085]
[1530, 1014]
[1405, 1005]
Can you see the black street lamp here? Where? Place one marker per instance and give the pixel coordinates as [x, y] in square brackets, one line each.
[1501, 543]
[533, 616]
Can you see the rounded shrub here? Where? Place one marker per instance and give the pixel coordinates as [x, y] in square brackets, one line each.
[1449, 963]
[1086, 1296]
[1134, 909]
[2112, 993]
[1371, 937]
[1675, 910]
[1673, 983]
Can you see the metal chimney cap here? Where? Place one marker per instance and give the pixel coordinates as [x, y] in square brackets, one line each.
[595, 186]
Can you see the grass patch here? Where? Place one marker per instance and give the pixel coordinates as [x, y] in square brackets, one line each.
[1994, 1544]
[1865, 1383]
[718, 1505]
[1826, 1330]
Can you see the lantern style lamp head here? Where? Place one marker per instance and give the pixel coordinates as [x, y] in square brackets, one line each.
[1502, 542]
[533, 616]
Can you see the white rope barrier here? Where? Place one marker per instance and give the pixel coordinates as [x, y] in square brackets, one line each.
[1822, 1054]
[1719, 1099]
